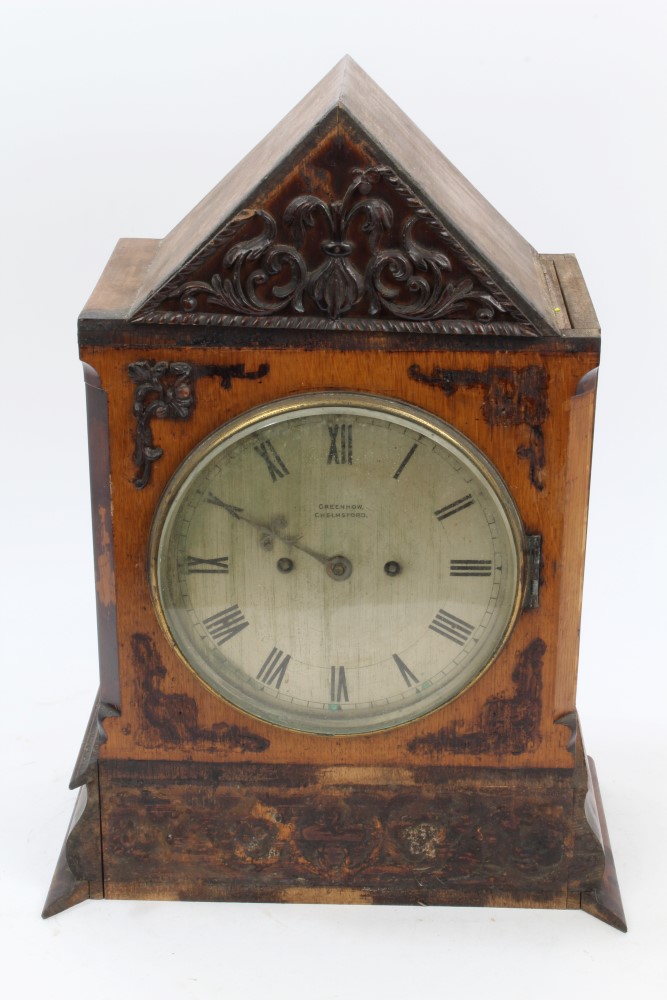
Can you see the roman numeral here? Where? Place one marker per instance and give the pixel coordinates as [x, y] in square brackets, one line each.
[274, 462]
[406, 673]
[405, 461]
[338, 685]
[219, 564]
[340, 448]
[451, 627]
[454, 508]
[224, 625]
[470, 567]
[273, 669]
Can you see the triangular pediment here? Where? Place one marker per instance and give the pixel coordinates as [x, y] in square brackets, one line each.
[347, 217]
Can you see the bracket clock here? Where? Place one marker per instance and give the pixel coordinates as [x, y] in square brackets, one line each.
[340, 426]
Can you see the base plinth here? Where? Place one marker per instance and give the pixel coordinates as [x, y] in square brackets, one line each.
[429, 836]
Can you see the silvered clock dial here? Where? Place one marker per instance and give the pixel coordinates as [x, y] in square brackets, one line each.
[337, 563]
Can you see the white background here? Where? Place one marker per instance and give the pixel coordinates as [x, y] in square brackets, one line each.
[116, 119]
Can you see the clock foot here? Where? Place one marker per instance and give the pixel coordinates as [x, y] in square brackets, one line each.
[78, 873]
[66, 888]
[604, 902]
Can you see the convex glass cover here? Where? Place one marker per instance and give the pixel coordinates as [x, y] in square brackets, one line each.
[337, 562]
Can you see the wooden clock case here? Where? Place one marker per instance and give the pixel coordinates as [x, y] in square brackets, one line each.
[344, 252]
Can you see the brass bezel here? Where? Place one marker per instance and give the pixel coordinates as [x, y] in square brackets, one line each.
[433, 427]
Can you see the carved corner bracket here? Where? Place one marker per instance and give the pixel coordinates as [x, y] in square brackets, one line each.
[507, 724]
[165, 390]
[173, 719]
[512, 398]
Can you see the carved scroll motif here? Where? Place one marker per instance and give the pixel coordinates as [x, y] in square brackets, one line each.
[327, 259]
[165, 390]
[512, 398]
[507, 724]
[174, 718]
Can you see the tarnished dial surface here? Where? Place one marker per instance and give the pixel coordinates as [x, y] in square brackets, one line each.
[337, 563]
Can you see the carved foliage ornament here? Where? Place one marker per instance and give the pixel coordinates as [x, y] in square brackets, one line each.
[512, 398]
[335, 264]
[165, 390]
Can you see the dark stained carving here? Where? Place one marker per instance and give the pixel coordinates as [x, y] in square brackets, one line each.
[356, 256]
[241, 827]
[174, 718]
[506, 725]
[255, 839]
[227, 373]
[512, 397]
[165, 390]
[433, 835]
[571, 721]
[521, 843]
[343, 837]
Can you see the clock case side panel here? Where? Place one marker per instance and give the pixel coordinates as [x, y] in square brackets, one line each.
[78, 873]
[101, 502]
[577, 486]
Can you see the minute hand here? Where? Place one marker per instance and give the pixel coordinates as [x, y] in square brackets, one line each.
[270, 529]
[293, 543]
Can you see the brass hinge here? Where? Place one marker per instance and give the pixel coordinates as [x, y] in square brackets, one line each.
[533, 565]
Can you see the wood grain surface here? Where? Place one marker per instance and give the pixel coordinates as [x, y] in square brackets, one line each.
[480, 397]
